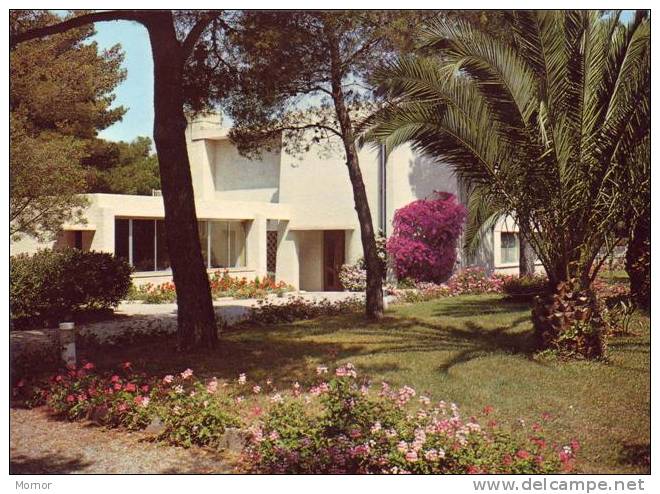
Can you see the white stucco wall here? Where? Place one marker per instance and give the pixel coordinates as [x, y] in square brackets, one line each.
[237, 178]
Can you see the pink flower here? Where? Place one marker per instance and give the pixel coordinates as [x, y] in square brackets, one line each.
[144, 388]
[402, 447]
[256, 389]
[431, 455]
[321, 369]
[522, 454]
[273, 436]
[126, 365]
[212, 386]
[88, 366]
[117, 386]
[488, 409]
[168, 379]
[130, 387]
[411, 456]
[115, 379]
[242, 379]
[187, 374]
[276, 398]
[70, 398]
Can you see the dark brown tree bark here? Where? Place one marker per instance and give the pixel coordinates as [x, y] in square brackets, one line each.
[195, 316]
[374, 295]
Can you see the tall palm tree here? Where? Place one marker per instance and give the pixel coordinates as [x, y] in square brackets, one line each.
[551, 128]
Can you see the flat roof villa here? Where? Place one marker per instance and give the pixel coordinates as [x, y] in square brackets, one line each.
[288, 215]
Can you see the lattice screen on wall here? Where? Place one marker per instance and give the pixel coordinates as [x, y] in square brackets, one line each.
[271, 251]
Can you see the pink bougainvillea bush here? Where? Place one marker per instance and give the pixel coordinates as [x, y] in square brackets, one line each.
[422, 246]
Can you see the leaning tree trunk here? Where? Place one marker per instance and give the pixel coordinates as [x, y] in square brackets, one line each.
[374, 295]
[195, 316]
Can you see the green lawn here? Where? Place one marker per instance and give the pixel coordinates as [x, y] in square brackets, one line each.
[473, 350]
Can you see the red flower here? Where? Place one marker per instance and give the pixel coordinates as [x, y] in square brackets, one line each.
[488, 409]
[130, 387]
[70, 398]
[115, 379]
[522, 454]
[88, 366]
[144, 388]
[472, 469]
[126, 365]
[575, 446]
[117, 386]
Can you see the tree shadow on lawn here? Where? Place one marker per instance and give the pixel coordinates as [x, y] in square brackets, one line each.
[289, 352]
[460, 307]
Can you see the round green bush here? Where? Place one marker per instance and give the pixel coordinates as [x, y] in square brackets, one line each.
[50, 285]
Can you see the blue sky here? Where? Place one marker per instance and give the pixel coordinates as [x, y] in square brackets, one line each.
[136, 92]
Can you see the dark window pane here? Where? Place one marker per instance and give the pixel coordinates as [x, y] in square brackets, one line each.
[121, 238]
[162, 255]
[143, 245]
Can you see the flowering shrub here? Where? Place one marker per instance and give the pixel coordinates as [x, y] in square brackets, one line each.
[153, 294]
[116, 399]
[469, 281]
[353, 278]
[423, 243]
[353, 429]
[222, 285]
[298, 308]
[337, 425]
[190, 411]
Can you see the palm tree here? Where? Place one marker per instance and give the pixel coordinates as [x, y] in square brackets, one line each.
[551, 128]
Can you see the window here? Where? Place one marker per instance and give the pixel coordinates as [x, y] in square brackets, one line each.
[223, 243]
[509, 247]
[142, 243]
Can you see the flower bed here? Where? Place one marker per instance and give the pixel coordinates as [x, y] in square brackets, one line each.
[222, 285]
[337, 425]
[469, 281]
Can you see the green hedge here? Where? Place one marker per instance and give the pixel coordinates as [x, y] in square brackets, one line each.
[51, 285]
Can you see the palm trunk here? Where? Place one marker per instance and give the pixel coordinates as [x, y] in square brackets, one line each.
[526, 265]
[195, 316]
[374, 295]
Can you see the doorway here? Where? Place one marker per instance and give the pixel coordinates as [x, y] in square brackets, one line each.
[333, 259]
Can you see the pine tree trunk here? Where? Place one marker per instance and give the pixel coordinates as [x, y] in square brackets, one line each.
[195, 315]
[374, 295]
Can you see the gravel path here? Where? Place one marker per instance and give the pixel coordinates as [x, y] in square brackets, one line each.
[40, 445]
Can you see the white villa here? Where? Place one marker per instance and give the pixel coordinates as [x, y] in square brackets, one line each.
[288, 215]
